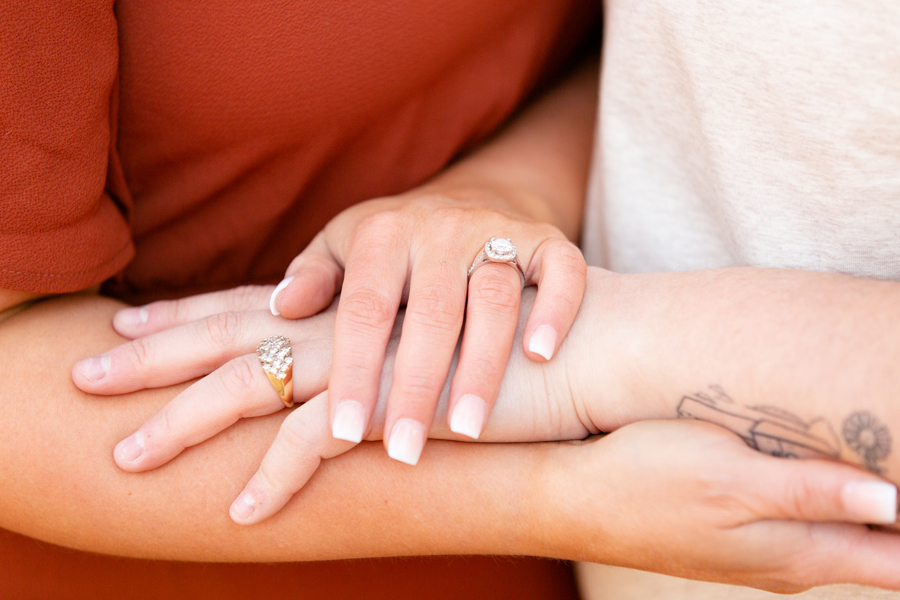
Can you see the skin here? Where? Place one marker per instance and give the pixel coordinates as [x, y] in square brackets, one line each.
[610, 500]
[414, 250]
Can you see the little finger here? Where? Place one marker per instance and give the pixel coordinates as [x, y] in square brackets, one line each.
[138, 321]
[559, 270]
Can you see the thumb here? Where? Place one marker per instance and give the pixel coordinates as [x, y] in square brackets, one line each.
[311, 281]
[818, 490]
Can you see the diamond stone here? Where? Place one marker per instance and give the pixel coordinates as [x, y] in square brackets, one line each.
[500, 248]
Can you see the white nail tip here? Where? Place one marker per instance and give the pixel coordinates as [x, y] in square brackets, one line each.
[871, 501]
[284, 283]
[407, 441]
[468, 416]
[543, 341]
[349, 421]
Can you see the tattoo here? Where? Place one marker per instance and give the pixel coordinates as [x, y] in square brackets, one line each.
[869, 438]
[779, 432]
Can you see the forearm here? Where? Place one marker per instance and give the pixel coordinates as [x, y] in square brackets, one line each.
[61, 484]
[824, 348]
[538, 164]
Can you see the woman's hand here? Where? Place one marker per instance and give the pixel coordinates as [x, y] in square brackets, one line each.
[415, 250]
[412, 250]
[693, 500]
[534, 400]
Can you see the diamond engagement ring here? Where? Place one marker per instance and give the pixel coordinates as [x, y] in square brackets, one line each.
[275, 357]
[498, 250]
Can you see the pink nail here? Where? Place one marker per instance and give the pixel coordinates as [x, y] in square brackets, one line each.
[243, 507]
[273, 299]
[94, 368]
[131, 448]
[871, 501]
[543, 341]
[468, 416]
[349, 421]
[407, 441]
[131, 318]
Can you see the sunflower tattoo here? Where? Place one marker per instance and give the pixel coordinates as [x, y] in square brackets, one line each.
[867, 437]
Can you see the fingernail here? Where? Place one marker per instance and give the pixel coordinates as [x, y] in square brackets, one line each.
[407, 441]
[94, 368]
[543, 341]
[871, 501]
[243, 507]
[132, 317]
[468, 416]
[349, 421]
[272, 300]
[131, 448]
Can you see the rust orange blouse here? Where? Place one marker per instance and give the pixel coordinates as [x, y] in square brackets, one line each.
[180, 146]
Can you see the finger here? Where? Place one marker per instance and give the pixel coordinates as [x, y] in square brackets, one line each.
[374, 279]
[311, 282]
[180, 354]
[492, 314]
[560, 272]
[138, 321]
[817, 490]
[237, 390]
[843, 553]
[300, 446]
[431, 326]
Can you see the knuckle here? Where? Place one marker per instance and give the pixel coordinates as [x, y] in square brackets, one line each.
[437, 307]
[138, 352]
[222, 329]
[568, 259]
[496, 290]
[380, 228]
[239, 375]
[368, 309]
[246, 297]
[801, 498]
[297, 435]
[420, 390]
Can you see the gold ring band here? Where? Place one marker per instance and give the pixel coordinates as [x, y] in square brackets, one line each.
[275, 357]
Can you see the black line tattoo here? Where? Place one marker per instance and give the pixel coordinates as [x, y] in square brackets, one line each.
[869, 438]
[779, 432]
[768, 429]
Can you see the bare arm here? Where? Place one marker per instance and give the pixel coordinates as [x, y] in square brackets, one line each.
[61, 484]
[797, 363]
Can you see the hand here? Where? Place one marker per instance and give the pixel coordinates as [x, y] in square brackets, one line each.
[692, 500]
[534, 401]
[415, 250]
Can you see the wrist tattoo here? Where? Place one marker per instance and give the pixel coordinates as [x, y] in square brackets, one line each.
[779, 432]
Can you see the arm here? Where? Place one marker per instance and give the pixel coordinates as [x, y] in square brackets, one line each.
[798, 363]
[61, 484]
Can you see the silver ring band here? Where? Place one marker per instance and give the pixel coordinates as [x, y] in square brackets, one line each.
[498, 250]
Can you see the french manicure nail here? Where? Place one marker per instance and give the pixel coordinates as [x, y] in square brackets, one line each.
[132, 317]
[243, 507]
[871, 501]
[543, 341]
[94, 368]
[273, 299]
[468, 416]
[349, 421]
[407, 441]
[131, 448]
